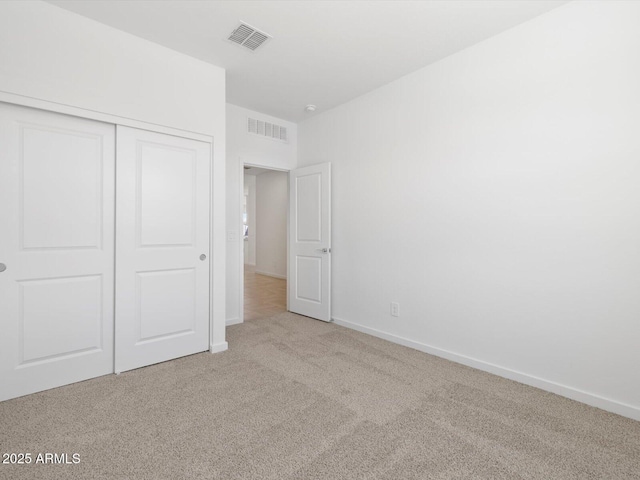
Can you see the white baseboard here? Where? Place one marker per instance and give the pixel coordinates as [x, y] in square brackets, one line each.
[269, 274]
[219, 347]
[563, 390]
[233, 321]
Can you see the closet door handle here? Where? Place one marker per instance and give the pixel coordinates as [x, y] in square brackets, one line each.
[3, 267]
[203, 257]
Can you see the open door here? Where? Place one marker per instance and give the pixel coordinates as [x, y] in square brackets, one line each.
[309, 281]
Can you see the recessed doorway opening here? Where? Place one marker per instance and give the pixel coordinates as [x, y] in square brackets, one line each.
[264, 217]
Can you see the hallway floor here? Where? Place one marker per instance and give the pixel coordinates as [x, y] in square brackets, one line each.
[264, 296]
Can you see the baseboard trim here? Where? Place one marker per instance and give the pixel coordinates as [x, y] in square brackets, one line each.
[219, 347]
[269, 274]
[233, 321]
[563, 390]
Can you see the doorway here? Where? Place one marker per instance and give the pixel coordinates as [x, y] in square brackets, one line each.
[265, 206]
[306, 264]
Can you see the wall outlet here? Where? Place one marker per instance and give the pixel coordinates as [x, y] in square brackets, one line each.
[395, 309]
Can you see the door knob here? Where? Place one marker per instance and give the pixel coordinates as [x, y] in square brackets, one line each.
[203, 257]
[3, 267]
[323, 250]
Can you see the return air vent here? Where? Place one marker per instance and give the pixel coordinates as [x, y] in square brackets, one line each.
[266, 129]
[248, 37]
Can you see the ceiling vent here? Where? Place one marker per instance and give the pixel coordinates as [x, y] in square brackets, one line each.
[266, 129]
[248, 37]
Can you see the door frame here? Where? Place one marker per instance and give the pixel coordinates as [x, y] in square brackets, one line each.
[215, 344]
[240, 232]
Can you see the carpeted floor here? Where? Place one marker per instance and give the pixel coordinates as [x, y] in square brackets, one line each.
[296, 398]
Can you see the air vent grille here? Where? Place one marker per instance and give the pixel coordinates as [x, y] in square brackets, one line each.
[266, 129]
[248, 37]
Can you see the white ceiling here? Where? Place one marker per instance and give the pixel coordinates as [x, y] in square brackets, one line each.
[322, 52]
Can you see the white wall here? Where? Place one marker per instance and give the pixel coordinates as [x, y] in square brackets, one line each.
[250, 243]
[56, 55]
[257, 151]
[244, 148]
[272, 203]
[495, 196]
[52, 55]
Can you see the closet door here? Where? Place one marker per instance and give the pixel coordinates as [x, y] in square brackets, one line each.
[162, 247]
[56, 249]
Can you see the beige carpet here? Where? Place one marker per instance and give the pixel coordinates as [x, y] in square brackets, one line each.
[296, 398]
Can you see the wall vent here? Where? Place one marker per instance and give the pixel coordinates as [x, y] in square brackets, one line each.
[266, 129]
[248, 37]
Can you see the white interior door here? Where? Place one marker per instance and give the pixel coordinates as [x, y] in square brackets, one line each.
[162, 245]
[309, 281]
[56, 249]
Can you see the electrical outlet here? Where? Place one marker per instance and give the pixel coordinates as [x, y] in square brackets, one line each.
[395, 309]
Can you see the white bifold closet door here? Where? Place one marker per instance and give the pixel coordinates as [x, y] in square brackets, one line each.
[56, 249]
[162, 245]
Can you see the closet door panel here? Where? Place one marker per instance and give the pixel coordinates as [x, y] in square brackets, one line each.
[57, 247]
[162, 247]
